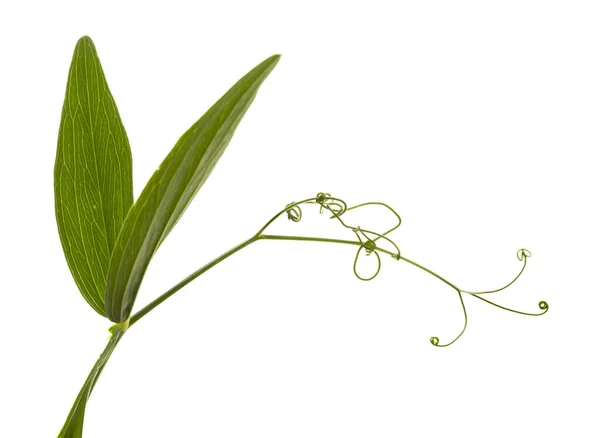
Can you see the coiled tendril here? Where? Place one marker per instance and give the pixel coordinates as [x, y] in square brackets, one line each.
[366, 240]
[294, 213]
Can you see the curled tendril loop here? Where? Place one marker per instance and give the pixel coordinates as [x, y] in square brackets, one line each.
[294, 212]
[369, 246]
[543, 306]
[434, 341]
[322, 197]
[522, 254]
[336, 206]
[368, 253]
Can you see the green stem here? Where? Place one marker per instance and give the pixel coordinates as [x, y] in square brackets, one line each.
[356, 243]
[310, 239]
[73, 426]
[429, 271]
[148, 308]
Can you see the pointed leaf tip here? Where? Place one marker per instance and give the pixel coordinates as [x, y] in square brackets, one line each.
[172, 188]
[93, 186]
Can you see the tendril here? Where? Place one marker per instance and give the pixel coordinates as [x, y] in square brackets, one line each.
[359, 231]
[336, 206]
[294, 212]
[368, 253]
[522, 255]
[383, 205]
[435, 341]
[542, 305]
[369, 246]
[367, 240]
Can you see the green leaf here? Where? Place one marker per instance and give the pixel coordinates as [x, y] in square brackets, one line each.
[73, 427]
[93, 186]
[172, 188]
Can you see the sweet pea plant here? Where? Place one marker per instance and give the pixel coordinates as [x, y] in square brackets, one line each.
[108, 239]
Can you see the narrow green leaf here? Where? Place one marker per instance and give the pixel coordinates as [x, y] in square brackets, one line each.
[73, 427]
[171, 189]
[93, 186]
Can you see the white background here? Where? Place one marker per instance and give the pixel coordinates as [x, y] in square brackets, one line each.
[478, 121]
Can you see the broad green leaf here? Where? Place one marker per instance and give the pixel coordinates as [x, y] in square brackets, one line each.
[73, 427]
[93, 186]
[171, 189]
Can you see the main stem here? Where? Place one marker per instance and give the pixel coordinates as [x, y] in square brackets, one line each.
[149, 307]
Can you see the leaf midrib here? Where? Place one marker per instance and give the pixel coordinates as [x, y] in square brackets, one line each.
[167, 228]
